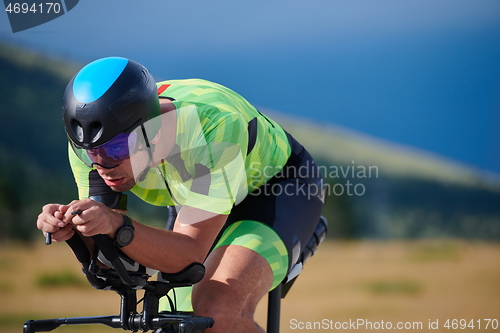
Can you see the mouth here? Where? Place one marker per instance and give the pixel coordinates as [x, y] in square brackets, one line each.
[114, 182]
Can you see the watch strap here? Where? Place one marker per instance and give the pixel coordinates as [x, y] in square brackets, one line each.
[127, 220]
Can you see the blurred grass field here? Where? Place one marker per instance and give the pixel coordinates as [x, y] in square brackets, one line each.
[390, 281]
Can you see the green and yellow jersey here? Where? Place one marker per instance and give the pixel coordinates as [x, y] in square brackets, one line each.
[224, 149]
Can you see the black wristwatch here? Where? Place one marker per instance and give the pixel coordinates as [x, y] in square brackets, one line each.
[125, 234]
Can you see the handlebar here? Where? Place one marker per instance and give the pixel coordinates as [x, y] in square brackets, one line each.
[195, 323]
[186, 324]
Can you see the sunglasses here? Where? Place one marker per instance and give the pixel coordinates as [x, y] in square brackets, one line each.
[110, 154]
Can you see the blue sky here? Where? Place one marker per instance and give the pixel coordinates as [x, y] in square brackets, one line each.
[421, 73]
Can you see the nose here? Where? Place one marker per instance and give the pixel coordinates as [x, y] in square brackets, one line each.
[104, 168]
[101, 160]
[101, 170]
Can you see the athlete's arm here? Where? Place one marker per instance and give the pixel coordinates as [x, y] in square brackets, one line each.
[172, 251]
[167, 251]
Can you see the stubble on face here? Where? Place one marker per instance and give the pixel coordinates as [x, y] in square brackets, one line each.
[119, 179]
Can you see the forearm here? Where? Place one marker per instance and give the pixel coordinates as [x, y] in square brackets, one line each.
[167, 251]
[164, 250]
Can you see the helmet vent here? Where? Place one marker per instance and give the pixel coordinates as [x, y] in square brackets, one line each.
[77, 130]
[95, 131]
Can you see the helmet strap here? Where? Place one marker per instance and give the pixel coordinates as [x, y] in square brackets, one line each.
[150, 149]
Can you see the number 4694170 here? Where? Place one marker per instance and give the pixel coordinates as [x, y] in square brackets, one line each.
[474, 324]
[24, 8]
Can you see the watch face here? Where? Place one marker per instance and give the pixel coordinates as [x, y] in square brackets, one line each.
[125, 236]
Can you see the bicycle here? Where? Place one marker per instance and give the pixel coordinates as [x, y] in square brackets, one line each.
[127, 283]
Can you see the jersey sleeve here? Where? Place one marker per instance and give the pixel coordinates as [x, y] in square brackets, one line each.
[207, 165]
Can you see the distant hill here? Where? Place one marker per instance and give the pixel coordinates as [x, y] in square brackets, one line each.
[33, 161]
[377, 189]
[348, 147]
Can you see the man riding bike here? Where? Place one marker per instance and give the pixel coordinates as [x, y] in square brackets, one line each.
[246, 195]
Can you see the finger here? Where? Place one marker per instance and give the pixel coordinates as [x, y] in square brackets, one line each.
[88, 229]
[76, 207]
[63, 234]
[63, 208]
[48, 222]
[50, 208]
[74, 210]
[79, 216]
[84, 215]
[47, 216]
[58, 215]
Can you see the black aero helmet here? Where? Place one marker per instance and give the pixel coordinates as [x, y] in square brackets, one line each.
[107, 97]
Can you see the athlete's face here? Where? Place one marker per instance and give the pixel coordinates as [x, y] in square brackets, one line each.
[120, 178]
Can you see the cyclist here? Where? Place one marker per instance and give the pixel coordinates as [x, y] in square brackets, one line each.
[247, 195]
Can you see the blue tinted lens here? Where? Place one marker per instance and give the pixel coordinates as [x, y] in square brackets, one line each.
[110, 154]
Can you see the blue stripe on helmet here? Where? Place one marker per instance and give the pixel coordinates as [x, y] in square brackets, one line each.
[97, 77]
